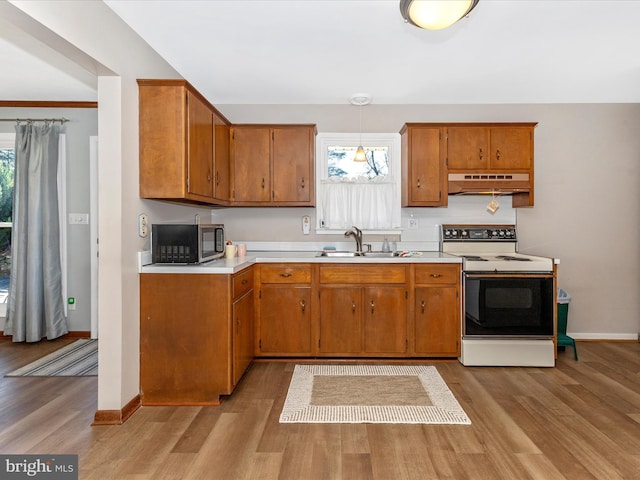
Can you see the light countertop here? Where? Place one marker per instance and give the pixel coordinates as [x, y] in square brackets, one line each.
[236, 264]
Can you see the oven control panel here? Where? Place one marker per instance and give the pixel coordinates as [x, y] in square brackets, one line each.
[482, 233]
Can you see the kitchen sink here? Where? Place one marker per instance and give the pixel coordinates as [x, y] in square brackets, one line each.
[336, 253]
[379, 254]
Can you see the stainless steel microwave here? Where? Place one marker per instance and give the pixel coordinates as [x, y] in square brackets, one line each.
[184, 244]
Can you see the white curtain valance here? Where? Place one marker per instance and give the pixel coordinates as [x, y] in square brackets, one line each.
[365, 203]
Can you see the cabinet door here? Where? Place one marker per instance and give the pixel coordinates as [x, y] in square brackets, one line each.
[511, 148]
[243, 335]
[427, 170]
[468, 148]
[341, 320]
[292, 155]
[437, 321]
[285, 319]
[385, 319]
[221, 160]
[251, 164]
[200, 148]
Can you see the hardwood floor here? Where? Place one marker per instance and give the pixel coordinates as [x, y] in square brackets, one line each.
[580, 420]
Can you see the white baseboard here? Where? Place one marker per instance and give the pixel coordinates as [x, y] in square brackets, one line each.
[603, 336]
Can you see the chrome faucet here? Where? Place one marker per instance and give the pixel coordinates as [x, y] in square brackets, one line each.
[356, 233]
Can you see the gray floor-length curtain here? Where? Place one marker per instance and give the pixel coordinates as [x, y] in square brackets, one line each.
[35, 307]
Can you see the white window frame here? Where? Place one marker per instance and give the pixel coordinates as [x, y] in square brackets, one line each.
[7, 142]
[325, 140]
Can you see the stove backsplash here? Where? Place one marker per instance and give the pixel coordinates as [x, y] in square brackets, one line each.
[461, 210]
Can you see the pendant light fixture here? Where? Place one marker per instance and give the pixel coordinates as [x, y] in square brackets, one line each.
[360, 99]
[435, 14]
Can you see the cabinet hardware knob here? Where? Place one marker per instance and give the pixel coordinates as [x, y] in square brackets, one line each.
[419, 186]
[217, 178]
[208, 175]
[422, 305]
[302, 182]
[263, 183]
[481, 154]
[303, 305]
[435, 275]
[498, 154]
[245, 281]
[373, 306]
[353, 307]
[285, 275]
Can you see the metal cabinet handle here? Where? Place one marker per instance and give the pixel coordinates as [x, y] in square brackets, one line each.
[208, 175]
[418, 185]
[285, 275]
[353, 307]
[498, 154]
[303, 305]
[481, 154]
[436, 275]
[245, 281]
[302, 182]
[217, 178]
[263, 183]
[373, 306]
[422, 305]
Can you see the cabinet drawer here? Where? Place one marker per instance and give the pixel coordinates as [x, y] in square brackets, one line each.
[285, 273]
[242, 283]
[438, 273]
[363, 274]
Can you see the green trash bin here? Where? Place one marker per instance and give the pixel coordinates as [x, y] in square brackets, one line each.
[563, 339]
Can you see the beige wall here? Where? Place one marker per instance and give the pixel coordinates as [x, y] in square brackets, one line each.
[587, 197]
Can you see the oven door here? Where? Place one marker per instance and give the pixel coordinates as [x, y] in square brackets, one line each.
[504, 305]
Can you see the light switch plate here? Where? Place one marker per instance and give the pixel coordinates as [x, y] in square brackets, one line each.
[306, 224]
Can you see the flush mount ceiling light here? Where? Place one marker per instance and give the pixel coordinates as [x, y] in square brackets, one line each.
[360, 99]
[435, 14]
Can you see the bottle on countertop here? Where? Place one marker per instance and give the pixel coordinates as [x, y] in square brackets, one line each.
[385, 245]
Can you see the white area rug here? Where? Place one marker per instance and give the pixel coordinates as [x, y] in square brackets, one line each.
[77, 359]
[370, 394]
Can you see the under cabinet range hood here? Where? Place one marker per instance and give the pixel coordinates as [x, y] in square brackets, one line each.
[489, 183]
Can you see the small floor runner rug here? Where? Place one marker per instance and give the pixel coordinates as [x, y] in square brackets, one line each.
[77, 359]
[370, 394]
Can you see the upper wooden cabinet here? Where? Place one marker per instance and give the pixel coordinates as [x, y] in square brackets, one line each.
[424, 179]
[439, 159]
[184, 144]
[273, 165]
[503, 148]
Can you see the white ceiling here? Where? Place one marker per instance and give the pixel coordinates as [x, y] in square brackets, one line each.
[322, 51]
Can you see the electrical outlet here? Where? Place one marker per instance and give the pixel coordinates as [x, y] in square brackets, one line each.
[143, 225]
[78, 219]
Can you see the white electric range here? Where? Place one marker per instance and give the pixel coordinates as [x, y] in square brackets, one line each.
[508, 298]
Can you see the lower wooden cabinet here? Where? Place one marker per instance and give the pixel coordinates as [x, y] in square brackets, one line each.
[362, 312]
[196, 336]
[362, 320]
[243, 324]
[437, 310]
[199, 332]
[284, 311]
[285, 320]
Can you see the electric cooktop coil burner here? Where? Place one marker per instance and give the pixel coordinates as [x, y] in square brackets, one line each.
[512, 258]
